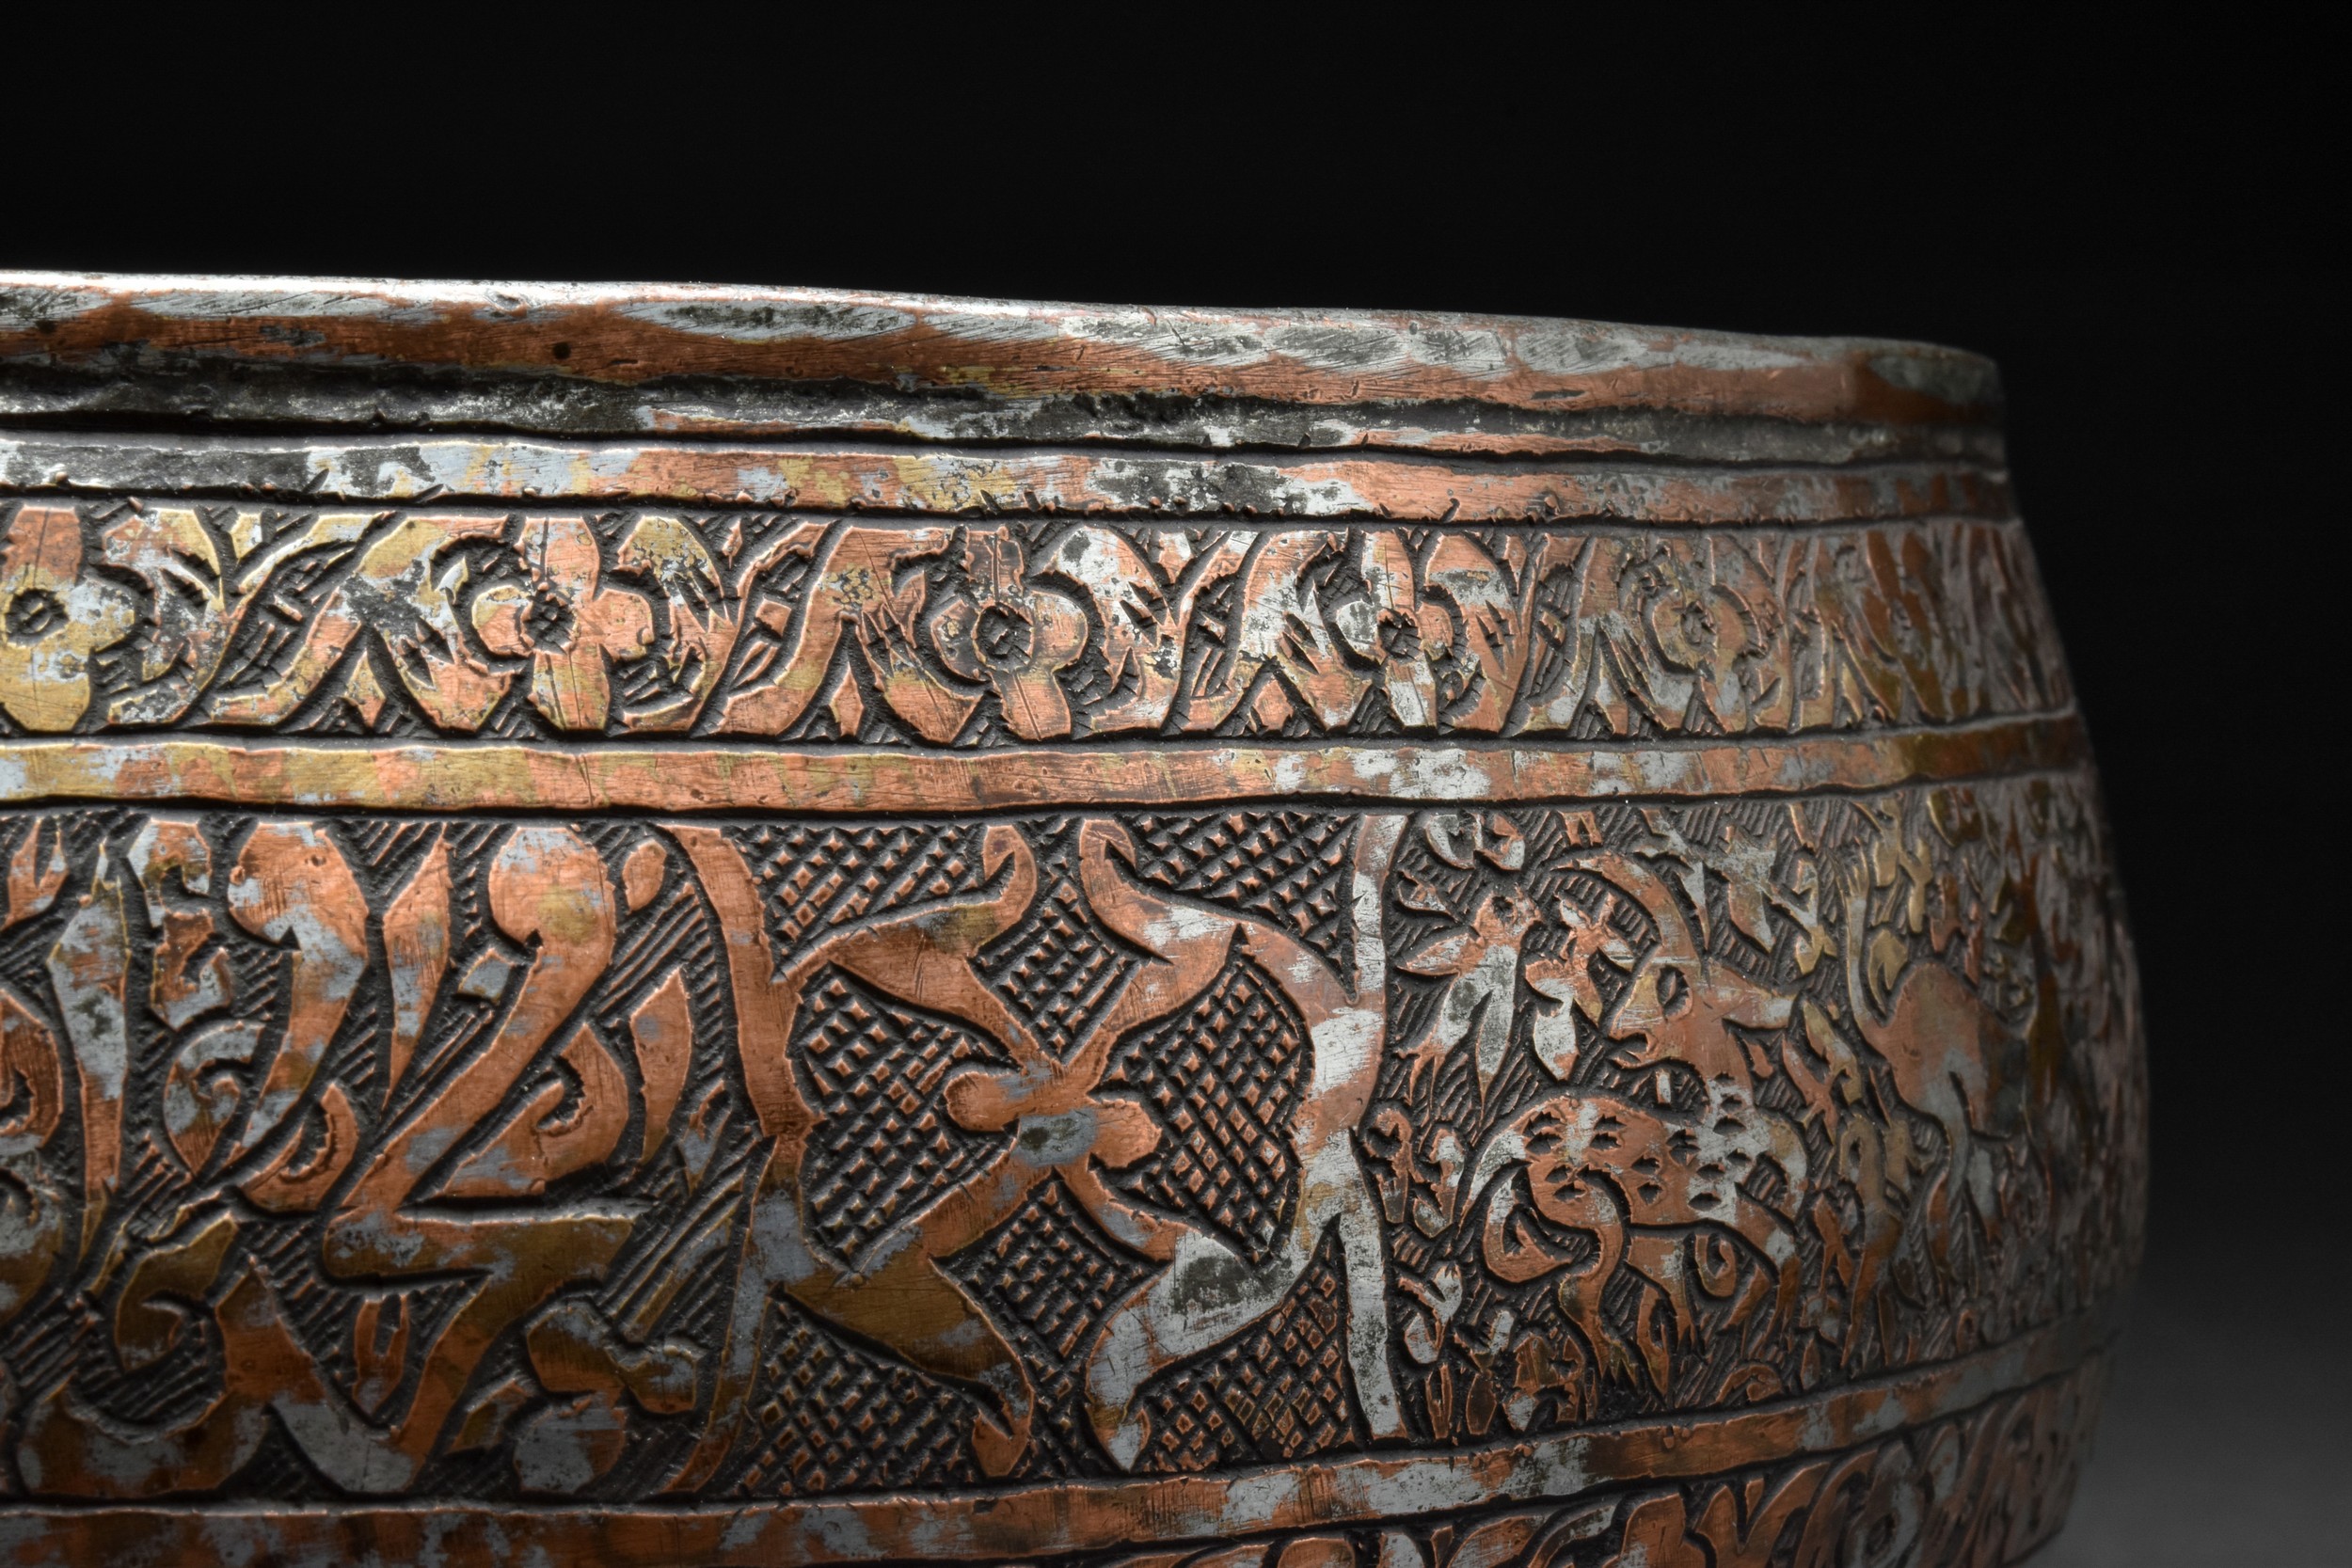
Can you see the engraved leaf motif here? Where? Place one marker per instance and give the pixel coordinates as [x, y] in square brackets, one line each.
[662, 1031]
[703, 623]
[199, 594]
[189, 617]
[34, 880]
[404, 588]
[32, 1203]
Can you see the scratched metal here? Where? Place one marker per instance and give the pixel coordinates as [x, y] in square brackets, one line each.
[666, 925]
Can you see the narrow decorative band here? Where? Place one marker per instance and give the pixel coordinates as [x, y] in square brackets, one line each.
[1047, 1520]
[488, 776]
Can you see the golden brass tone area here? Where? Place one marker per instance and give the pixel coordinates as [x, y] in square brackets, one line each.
[669, 925]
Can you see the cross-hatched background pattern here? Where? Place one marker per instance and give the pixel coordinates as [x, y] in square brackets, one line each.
[1295, 868]
[884, 1146]
[828, 1415]
[1223, 1078]
[1280, 1391]
[1047, 1278]
[1058, 967]
[815, 874]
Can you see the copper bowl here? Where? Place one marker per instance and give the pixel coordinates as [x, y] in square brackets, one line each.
[674, 924]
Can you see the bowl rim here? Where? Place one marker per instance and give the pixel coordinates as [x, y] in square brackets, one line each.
[624, 337]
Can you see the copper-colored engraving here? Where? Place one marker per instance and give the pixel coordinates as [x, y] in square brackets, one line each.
[640, 1019]
[754, 625]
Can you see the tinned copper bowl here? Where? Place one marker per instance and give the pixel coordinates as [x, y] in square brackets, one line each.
[724, 926]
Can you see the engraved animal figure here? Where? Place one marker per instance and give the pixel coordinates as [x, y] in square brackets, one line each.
[1953, 1060]
[1682, 1010]
[1841, 1096]
[1599, 1159]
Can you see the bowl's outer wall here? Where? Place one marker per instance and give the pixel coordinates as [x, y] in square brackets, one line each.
[672, 924]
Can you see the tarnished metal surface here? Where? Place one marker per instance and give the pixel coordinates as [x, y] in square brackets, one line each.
[989, 959]
[1037, 481]
[617, 358]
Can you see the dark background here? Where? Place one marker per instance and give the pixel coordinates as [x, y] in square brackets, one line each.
[2138, 239]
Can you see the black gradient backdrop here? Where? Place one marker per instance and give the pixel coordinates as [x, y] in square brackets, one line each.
[2140, 242]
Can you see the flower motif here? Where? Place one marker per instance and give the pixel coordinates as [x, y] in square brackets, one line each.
[1706, 634]
[1568, 979]
[1479, 958]
[51, 619]
[1391, 625]
[568, 624]
[1011, 636]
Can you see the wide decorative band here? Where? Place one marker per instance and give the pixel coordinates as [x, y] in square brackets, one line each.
[897, 1184]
